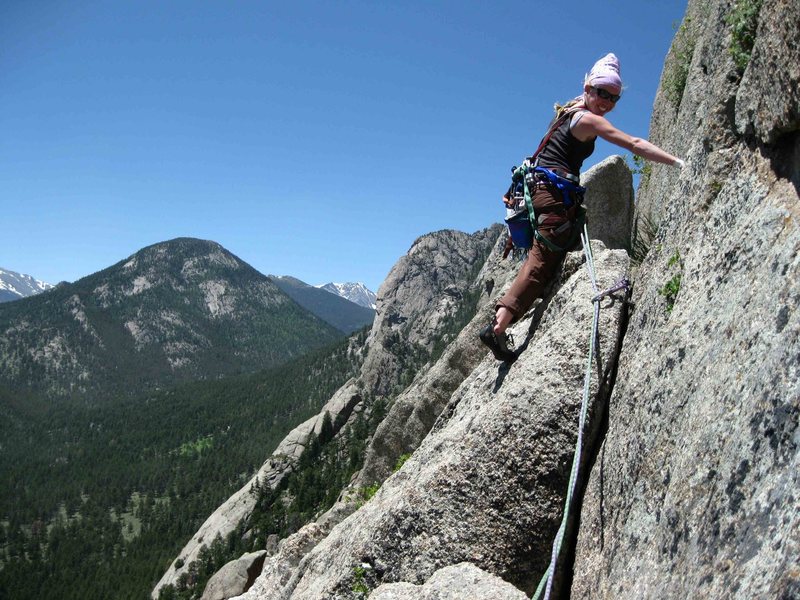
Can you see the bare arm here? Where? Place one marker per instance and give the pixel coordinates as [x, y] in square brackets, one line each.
[592, 125]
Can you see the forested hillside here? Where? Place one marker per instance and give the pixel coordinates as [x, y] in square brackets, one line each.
[97, 498]
[176, 311]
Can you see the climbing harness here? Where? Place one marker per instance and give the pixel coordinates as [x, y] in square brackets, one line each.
[567, 185]
[523, 221]
[546, 582]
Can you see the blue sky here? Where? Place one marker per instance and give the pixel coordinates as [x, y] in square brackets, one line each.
[314, 139]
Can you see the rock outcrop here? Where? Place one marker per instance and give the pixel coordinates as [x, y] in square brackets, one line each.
[415, 410]
[235, 577]
[609, 202]
[421, 291]
[279, 568]
[459, 582]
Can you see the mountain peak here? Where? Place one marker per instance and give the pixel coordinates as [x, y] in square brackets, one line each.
[14, 286]
[336, 309]
[354, 291]
[187, 244]
[180, 251]
[178, 263]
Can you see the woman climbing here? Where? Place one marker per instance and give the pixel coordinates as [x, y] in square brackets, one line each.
[569, 142]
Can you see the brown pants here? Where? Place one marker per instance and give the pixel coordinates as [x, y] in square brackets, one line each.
[542, 263]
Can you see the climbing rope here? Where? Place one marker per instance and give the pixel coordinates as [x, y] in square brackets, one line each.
[546, 582]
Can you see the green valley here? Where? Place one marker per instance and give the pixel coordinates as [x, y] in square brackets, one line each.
[101, 496]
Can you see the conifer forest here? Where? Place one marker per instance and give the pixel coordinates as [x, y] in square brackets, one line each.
[98, 497]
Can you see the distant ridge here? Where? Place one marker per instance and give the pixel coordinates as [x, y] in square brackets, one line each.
[174, 311]
[14, 286]
[355, 292]
[333, 308]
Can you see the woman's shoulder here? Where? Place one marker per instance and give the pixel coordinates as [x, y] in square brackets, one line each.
[584, 126]
[577, 116]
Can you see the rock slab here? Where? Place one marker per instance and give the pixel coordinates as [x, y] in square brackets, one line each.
[459, 582]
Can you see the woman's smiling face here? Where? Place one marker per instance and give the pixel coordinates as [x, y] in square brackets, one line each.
[596, 103]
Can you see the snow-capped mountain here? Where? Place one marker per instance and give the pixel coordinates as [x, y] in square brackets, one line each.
[355, 292]
[14, 286]
[345, 315]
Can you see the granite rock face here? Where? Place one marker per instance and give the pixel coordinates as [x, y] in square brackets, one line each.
[459, 582]
[279, 569]
[768, 98]
[487, 484]
[420, 292]
[609, 202]
[416, 409]
[695, 490]
[235, 577]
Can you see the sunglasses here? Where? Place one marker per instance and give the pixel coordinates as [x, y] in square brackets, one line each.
[606, 95]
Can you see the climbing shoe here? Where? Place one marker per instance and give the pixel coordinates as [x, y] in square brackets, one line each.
[497, 343]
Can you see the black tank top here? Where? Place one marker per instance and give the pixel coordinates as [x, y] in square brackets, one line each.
[564, 151]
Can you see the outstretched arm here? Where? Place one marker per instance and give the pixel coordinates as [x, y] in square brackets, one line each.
[592, 125]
